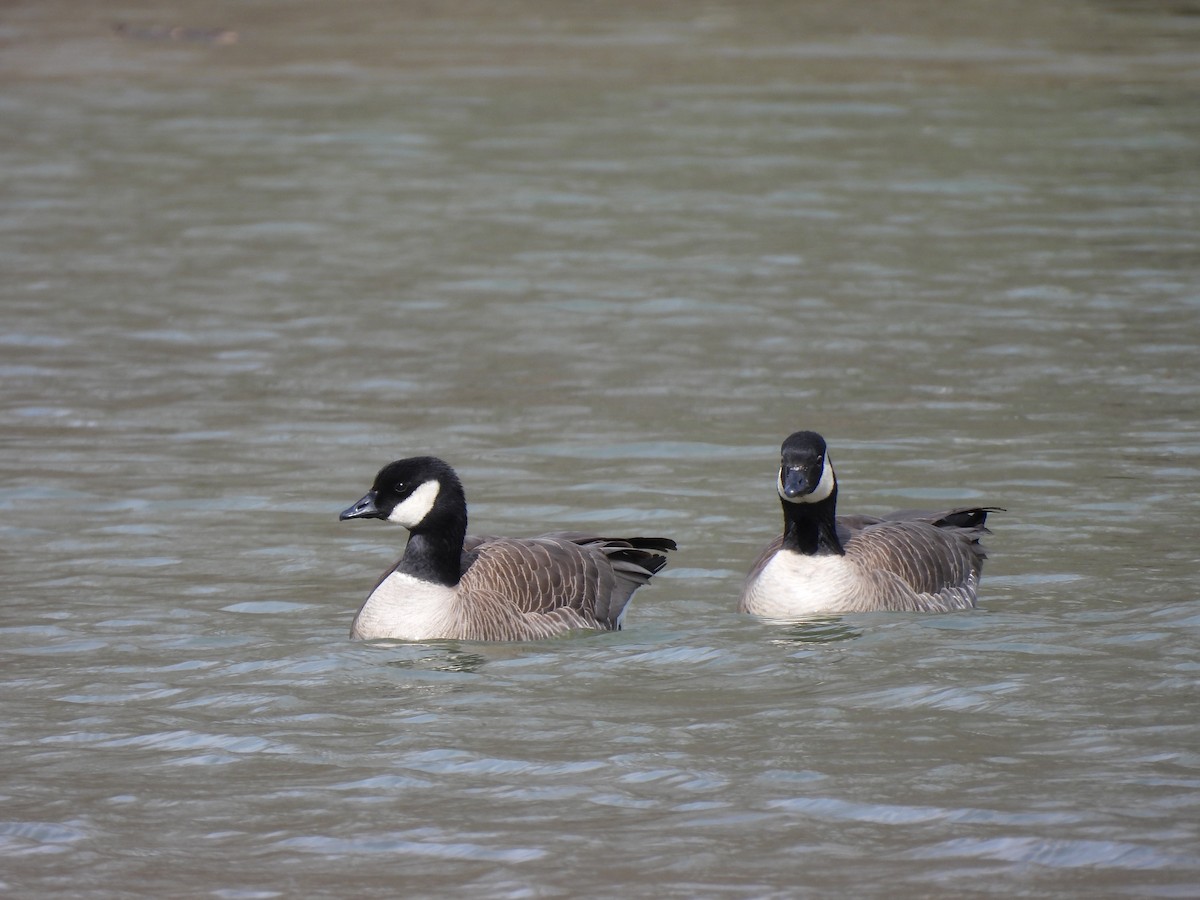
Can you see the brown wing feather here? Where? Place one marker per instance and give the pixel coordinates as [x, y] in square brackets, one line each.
[536, 575]
[919, 565]
[534, 587]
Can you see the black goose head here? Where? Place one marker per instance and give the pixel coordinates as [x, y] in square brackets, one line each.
[410, 492]
[805, 471]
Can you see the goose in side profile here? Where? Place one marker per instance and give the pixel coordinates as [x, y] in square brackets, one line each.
[451, 585]
[907, 561]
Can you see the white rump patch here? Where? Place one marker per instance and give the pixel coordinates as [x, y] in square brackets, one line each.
[822, 491]
[417, 505]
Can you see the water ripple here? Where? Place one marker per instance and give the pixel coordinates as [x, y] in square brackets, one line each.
[401, 844]
[1058, 853]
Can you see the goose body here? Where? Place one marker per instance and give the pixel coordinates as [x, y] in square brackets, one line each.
[907, 561]
[449, 585]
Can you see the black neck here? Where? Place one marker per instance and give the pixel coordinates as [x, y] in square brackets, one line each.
[811, 528]
[434, 551]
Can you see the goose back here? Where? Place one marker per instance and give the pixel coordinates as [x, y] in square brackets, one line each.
[555, 582]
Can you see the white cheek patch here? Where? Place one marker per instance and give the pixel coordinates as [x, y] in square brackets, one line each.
[825, 486]
[822, 491]
[417, 505]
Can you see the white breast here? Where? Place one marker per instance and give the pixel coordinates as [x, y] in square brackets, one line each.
[793, 584]
[406, 609]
